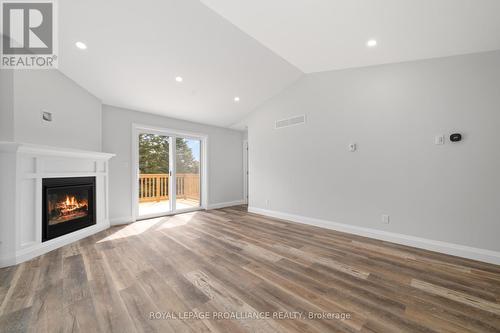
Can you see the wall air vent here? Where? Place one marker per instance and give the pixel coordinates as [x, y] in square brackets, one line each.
[292, 121]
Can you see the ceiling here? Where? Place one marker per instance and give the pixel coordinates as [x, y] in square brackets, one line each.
[136, 49]
[321, 35]
[251, 49]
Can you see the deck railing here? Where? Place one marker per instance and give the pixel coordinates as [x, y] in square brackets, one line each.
[154, 187]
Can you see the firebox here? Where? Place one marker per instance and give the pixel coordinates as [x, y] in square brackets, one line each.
[68, 205]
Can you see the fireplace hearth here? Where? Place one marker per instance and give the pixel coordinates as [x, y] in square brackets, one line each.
[68, 205]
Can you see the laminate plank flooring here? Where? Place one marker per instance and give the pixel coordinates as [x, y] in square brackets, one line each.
[228, 270]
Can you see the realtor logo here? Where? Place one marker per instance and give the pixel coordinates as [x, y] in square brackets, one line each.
[28, 35]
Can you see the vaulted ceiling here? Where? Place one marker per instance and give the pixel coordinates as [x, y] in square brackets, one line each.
[136, 49]
[251, 49]
[321, 35]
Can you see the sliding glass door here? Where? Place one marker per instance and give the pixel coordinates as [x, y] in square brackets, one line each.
[154, 167]
[187, 167]
[169, 173]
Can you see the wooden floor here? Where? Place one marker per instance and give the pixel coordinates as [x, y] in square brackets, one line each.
[231, 263]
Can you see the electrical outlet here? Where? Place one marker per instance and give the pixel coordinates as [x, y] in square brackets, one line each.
[385, 219]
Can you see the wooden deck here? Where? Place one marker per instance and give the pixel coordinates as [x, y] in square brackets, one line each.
[162, 206]
[230, 260]
[155, 187]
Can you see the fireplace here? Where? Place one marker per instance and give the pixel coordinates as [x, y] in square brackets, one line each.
[68, 205]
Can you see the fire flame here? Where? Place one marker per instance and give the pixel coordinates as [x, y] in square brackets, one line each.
[71, 204]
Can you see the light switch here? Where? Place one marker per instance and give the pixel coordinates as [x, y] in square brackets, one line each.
[46, 116]
[439, 140]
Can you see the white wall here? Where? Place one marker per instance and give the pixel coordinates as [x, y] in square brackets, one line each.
[8, 188]
[448, 193]
[6, 105]
[225, 155]
[76, 113]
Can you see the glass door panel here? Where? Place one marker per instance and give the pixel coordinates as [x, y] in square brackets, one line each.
[154, 175]
[187, 168]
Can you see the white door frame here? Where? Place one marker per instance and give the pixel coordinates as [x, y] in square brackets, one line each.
[245, 171]
[172, 134]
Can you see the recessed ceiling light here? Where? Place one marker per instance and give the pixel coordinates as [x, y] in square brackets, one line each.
[236, 99]
[81, 45]
[178, 79]
[371, 43]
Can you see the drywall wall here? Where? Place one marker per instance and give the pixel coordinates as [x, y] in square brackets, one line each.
[225, 158]
[448, 193]
[76, 113]
[6, 105]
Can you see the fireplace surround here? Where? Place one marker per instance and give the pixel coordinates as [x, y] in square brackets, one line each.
[25, 172]
[68, 205]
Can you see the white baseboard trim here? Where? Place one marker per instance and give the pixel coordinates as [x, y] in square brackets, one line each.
[121, 220]
[458, 250]
[36, 250]
[226, 204]
[7, 260]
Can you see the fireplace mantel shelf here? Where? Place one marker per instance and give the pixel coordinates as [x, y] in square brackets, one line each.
[29, 148]
[22, 170]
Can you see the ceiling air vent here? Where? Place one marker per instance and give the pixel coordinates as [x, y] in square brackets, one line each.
[297, 120]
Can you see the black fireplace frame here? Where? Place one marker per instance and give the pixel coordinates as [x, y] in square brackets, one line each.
[57, 230]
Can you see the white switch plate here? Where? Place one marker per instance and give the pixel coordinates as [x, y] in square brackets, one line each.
[439, 140]
[385, 219]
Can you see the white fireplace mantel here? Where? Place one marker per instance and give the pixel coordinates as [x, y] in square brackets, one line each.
[22, 168]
